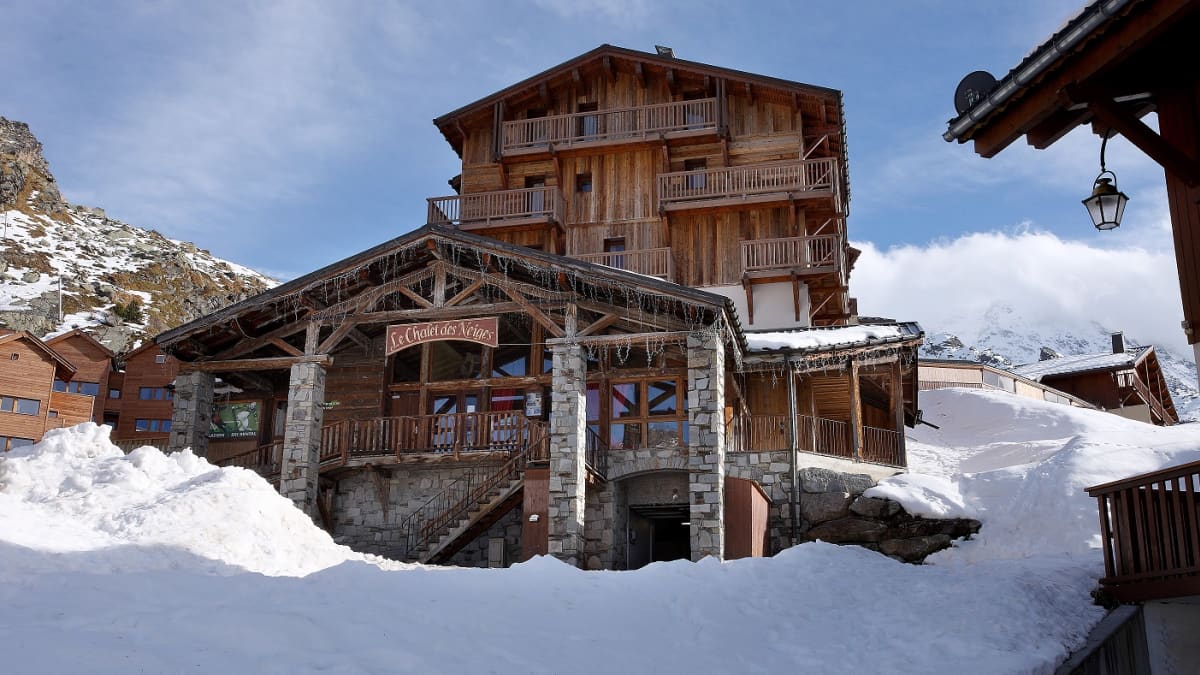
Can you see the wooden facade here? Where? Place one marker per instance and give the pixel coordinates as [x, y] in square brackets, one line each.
[145, 397]
[29, 406]
[94, 366]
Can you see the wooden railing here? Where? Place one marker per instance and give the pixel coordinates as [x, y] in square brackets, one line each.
[655, 262]
[810, 175]
[485, 208]
[619, 124]
[454, 433]
[422, 527]
[761, 433]
[596, 453]
[817, 253]
[1151, 400]
[1150, 530]
[265, 459]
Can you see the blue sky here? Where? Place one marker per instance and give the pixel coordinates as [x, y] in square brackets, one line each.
[287, 135]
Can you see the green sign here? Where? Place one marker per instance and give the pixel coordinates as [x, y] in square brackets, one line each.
[234, 420]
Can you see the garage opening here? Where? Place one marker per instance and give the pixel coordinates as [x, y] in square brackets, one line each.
[658, 532]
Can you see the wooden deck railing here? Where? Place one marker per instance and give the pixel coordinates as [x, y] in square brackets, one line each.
[810, 175]
[1151, 400]
[761, 433]
[487, 208]
[1150, 531]
[655, 262]
[619, 124]
[816, 253]
[265, 459]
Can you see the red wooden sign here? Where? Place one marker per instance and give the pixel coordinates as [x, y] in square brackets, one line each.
[484, 331]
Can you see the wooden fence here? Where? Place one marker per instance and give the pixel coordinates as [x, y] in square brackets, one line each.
[525, 204]
[618, 124]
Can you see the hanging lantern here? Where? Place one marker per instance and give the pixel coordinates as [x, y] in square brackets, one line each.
[1107, 203]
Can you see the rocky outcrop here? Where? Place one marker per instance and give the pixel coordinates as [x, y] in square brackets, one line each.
[833, 509]
[100, 262]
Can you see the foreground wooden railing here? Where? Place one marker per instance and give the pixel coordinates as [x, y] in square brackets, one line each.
[821, 436]
[618, 124]
[816, 253]
[655, 262]
[265, 459]
[487, 208]
[811, 175]
[1150, 531]
[454, 433]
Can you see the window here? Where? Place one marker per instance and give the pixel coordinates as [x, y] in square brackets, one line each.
[14, 357]
[155, 394]
[615, 245]
[695, 181]
[21, 406]
[536, 197]
[646, 414]
[52, 414]
[76, 387]
[152, 425]
[588, 125]
[160, 358]
[693, 113]
[114, 393]
[583, 182]
[9, 443]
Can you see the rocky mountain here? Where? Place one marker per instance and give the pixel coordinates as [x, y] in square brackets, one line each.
[1003, 337]
[123, 283]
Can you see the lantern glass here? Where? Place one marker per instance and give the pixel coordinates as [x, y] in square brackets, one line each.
[1106, 206]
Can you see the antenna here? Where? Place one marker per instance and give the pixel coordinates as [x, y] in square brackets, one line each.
[665, 51]
[972, 89]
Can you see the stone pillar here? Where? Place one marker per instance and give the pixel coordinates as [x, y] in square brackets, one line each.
[568, 471]
[302, 436]
[191, 412]
[706, 444]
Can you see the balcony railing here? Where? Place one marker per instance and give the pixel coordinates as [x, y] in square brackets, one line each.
[620, 124]
[814, 176]
[1150, 530]
[655, 262]
[820, 253]
[484, 209]
[762, 433]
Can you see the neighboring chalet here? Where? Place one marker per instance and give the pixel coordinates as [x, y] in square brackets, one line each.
[946, 373]
[31, 403]
[146, 392]
[1124, 382]
[570, 357]
[94, 371]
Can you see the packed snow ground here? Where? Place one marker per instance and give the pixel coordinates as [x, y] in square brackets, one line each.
[149, 563]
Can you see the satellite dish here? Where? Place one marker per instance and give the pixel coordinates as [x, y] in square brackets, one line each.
[972, 89]
[665, 51]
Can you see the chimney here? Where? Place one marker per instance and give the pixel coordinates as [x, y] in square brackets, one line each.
[1118, 340]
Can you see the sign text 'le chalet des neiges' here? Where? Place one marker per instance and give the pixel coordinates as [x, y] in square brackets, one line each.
[483, 331]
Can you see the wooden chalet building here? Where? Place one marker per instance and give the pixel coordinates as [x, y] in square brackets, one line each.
[94, 371]
[1128, 383]
[31, 403]
[572, 356]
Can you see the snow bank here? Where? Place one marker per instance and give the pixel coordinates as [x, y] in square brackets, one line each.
[76, 491]
[814, 339]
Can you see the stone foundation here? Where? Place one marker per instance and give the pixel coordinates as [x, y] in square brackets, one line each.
[475, 554]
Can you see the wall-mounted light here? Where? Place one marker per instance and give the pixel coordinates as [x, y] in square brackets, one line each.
[1107, 203]
[533, 517]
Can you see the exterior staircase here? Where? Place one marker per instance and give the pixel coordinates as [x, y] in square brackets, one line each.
[493, 506]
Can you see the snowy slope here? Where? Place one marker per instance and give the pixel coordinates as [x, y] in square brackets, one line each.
[146, 563]
[1004, 337]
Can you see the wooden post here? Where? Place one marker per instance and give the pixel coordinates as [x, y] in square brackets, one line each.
[855, 410]
[897, 387]
[794, 438]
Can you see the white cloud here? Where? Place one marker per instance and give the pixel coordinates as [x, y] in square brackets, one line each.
[621, 12]
[949, 285]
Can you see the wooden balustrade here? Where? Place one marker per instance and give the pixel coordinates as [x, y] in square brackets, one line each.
[1150, 531]
[763, 433]
[614, 125]
[1151, 400]
[819, 253]
[481, 209]
[655, 262]
[883, 446]
[741, 182]
[453, 433]
[266, 460]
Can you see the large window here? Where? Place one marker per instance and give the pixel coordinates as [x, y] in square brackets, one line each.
[152, 425]
[21, 406]
[76, 387]
[155, 394]
[642, 413]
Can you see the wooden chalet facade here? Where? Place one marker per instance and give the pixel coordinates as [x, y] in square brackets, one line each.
[93, 364]
[496, 384]
[29, 403]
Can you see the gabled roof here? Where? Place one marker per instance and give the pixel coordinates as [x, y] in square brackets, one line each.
[1082, 363]
[62, 366]
[295, 299]
[87, 337]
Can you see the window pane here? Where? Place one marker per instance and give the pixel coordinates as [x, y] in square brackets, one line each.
[142, 425]
[28, 406]
[114, 393]
[663, 435]
[625, 436]
[406, 365]
[6, 403]
[625, 400]
[89, 388]
[455, 360]
[593, 401]
[145, 393]
[662, 397]
[59, 385]
[20, 443]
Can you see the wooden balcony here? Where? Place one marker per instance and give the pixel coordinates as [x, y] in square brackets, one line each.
[502, 208]
[655, 262]
[818, 254]
[355, 442]
[1150, 530]
[762, 433]
[609, 127]
[751, 184]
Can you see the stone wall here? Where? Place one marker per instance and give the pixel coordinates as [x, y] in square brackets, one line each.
[706, 443]
[191, 412]
[475, 554]
[568, 472]
[600, 535]
[302, 436]
[772, 471]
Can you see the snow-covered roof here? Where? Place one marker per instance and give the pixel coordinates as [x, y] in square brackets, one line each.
[1082, 363]
[831, 337]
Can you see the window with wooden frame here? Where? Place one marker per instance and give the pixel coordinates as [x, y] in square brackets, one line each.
[639, 413]
[583, 182]
[20, 406]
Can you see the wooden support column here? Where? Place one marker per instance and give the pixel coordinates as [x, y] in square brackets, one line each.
[897, 390]
[856, 431]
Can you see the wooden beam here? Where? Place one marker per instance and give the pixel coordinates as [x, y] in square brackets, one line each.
[535, 313]
[435, 313]
[248, 345]
[439, 287]
[287, 348]
[749, 288]
[856, 431]
[312, 336]
[465, 293]
[672, 82]
[640, 73]
[271, 363]
[1172, 159]
[600, 324]
[336, 337]
[610, 68]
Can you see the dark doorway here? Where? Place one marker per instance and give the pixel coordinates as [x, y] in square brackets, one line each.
[658, 533]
